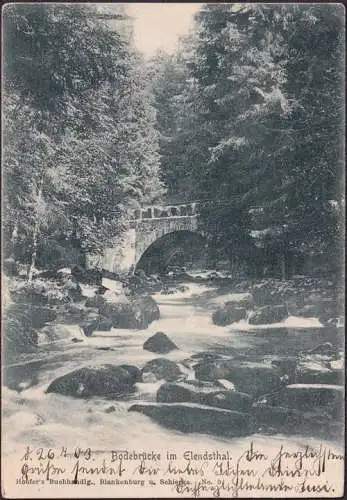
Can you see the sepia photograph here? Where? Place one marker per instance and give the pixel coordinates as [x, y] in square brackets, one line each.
[173, 250]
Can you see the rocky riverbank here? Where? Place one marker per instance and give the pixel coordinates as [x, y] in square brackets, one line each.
[221, 393]
[226, 395]
[183, 379]
[36, 312]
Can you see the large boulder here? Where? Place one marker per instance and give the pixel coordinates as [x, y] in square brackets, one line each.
[130, 313]
[103, 380]
[95, 301]
[212, 369]
[325, 349]
[268, 314]
[123, 315]
[87, 276]
[177, 393]
[286, 365]
[193, 391]
[188, 417]
[159, 343]
[284, 420]
[228, 314]
[313, 397]
[21, 334]
[103, 324]
[232, 299]
[231, 400]
[162, 369]
[148, 307]
[72, 290]
[241, 300]
[10, 267]
[313, 370]
[57, 332]
[265, 293]
[275, 418]
[250, 377]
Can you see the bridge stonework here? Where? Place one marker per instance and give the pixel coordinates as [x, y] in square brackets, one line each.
[148, 225]
[150, 230]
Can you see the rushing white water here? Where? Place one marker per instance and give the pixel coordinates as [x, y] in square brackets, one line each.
[32, 417]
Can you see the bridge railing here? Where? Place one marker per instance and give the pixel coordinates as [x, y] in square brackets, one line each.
[190, 209]
[168, 211]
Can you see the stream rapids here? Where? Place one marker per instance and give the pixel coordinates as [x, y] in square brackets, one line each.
[33, 418]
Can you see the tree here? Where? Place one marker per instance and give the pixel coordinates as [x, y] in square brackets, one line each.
[262, 121]
[314, 41]
[80, 146]
[238, 103]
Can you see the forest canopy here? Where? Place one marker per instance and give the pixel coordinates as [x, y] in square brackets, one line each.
[248, 111]
[80, 147]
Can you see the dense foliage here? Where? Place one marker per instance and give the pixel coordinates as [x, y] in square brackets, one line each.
[80, 148]
[255, 104]
[248, 112]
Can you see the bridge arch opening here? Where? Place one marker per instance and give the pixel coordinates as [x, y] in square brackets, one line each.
[178, 248]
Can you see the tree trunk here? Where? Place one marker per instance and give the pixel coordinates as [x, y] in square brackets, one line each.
[283, 267]
[35, 236]
[34, 253]
[284, 259]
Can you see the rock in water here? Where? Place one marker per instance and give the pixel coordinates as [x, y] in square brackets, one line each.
[187, 417]
[313, 397]
[228, 315]
[136, 313]
[315, 371]
[204, 394]
[104, 325]
[186, 392]
[148, 307]
[325, 349]
[268, 314]
[133, 371]
[162, 369]
[72, 290]
[103, 380]
[123, 315]
[55, 332]
[276, 416]
[226, 384]
[249, 377]
[230, 400]
[159, 343]
[95, 301]
[175, 393]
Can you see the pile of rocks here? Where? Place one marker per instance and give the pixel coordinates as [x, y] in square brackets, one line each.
[228, 396]
[36, 312]
[272, 301]
[110, 304]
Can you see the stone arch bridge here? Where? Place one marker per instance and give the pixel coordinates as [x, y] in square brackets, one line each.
[148, 226]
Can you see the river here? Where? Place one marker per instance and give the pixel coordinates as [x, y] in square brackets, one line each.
[33, 418]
